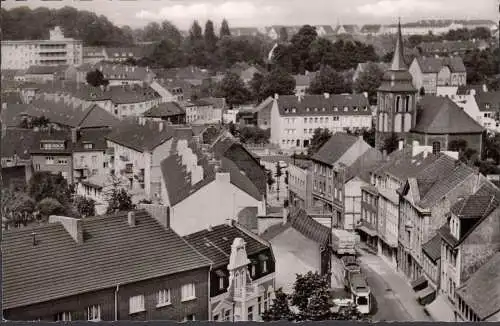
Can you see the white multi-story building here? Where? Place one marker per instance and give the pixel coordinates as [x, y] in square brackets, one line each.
[58, 50]
[294, 118]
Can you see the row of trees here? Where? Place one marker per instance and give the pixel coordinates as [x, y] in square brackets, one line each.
[50, 194]
[461, 34]
[311, 300]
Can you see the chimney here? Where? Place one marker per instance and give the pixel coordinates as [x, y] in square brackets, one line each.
[73, 226]
[485, 88]
[131, 218]
[160, 126]
[285, 215]
[229, 221]
[276, 96]
[209, 228]
[160, 213]
[74, 135]
[326, 95]
[365, 94]
[35, 242]
[400, 144]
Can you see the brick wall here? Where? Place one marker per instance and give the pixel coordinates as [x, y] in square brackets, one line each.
[78, 304]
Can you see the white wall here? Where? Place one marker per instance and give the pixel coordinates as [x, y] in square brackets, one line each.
[352, 204]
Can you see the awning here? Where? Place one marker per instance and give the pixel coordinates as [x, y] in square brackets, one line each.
[441, 310]
[370, 232]
[419, 284]
[426, 296]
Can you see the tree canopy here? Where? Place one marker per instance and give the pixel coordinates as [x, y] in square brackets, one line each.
[232, 88]
[278, 81]
[369, 81]
[96, 78]
[329, 81]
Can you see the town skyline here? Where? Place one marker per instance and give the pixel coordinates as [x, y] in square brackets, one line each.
[241, 13]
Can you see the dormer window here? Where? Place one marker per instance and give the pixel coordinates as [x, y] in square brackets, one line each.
[355, 109]
[315, 109]
[307, 110]
[286, 110]
[335, 108]
[88, 145]
[294, 110]
[323, 109]
[487, 105]
[366, 108]
[221, 276]
[346, 108]
[263, 263]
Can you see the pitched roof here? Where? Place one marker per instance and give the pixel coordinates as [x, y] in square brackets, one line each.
[490, 99]
[364, 164]
[130, 133]
[217, 102]
[481, 291]
[46, 70]
[131, 52]
[402, 165]
[334, 148]
[215, 244]
[440, 115]
[123, 72]
[434, 65]
[165, 109]
[370, 28]
[466, 89]
[93, 51]
[52, 135]
[479, 204]
[327, 28]
[95, 136]
[357, 104]
[112, 253]
[432, 248]
[18, 142]
[300, 221]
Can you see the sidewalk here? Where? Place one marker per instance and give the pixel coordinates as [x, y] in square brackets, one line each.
[398, 284]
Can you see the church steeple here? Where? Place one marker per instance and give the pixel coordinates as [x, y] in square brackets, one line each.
[398, 62]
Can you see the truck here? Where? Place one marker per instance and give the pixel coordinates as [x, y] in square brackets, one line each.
[344, 242]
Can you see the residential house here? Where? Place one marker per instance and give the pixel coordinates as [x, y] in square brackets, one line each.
[51, 151]
[469, 239]
[246, 71]
[346, 29]
[219, 107]
[426, 291]
[44, 73]
[465, 97]
[93, 54]
[138, 147]
[97, 187]
[201, 112]
[324, 30]
[488, 104]
[263, 111]
[423, 27]
[294, 118]
[300, 245]
[477, 23]
[123, 54]
[16, 159]
[172, 90]
[242, 277]
[364, 65]
[440, 122]
[244, 31]
[333, 166]
[424, 201]
[171, 112]
[120, 74]
[371, 30]
[300, 184]
[172, 285]
[273, 32]
[194, 182]
[91, 156]
[450, 48]
[431, 72]
[478, 297]
[302, 82]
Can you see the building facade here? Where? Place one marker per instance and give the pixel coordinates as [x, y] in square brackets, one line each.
[58, 50]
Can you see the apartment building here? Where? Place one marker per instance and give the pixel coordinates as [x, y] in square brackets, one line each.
[57, 50]
[87, 269]
[242, 277]
[469, 239]
[91, 156]
[294, 118]
[201, 112]
[300, 184]
[433, 72]
[424, 201]
[488, 105]
[120, 74]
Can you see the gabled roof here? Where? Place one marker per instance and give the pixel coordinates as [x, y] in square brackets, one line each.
[300, 221]
[481, 290]
[166, 109]
[130, 133]
[466, 89]
[215, 244]
[132, 52]
[123, 72]
[370, 28]
[440, 115]
[432, 248]
[217, 102]
[18, 142]
[46, 70]
[335, 104]
[95, 136]
[490, 99]
[58, 267]
[402, 165]
[434, 65]
[334, 148]
[327, 28]
[479, 204]
[364, 164]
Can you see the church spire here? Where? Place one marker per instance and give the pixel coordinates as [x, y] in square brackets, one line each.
[398, 59]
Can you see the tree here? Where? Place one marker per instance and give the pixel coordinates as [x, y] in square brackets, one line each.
[322, 52]
[96, 78]
[391, 143]
[49, 206]
[319, 138]
[17, 208]
[85, 206]
[369, 81]
[300, 47]
[166, 54]
[329, 81]
[232, 88]
[283, 36]
[210, 37]
[224, 29]
[119, 200]
[278, 81]
[256, 86]
[232, 128]
[47, 185]
[279, 309]
[422, 91]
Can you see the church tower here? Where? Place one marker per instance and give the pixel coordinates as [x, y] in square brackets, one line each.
[396, 99]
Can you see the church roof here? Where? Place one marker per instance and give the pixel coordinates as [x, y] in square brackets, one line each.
[440, 115]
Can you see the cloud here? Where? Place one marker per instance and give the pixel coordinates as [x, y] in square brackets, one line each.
[392, 8]
[235, 12]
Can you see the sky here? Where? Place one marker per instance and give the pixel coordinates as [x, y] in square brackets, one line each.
[258, 13]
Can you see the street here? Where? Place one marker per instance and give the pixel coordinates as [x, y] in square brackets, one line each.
[395, 299]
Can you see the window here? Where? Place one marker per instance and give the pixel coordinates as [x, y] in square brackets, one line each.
[62, 161]
[63, 316]
[94, 159]
[94, 313]
[221, 282]
[227, 315]
[88, 145]
[188, 292]
[264, 266]
[136, 304]
[259, 303]
[436, 147]
[253, 270]
[49, 160]
[250, 313]
[216, 317]
[163, 297]
[190, 317]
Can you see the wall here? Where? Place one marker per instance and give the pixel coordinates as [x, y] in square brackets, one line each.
[211, 205]
[294, 254]
[153, 175]
[352, 204]
[299, 182]
[417, 76]
[94, 160]
[106, 298]
[39, 164]
[444, 76]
